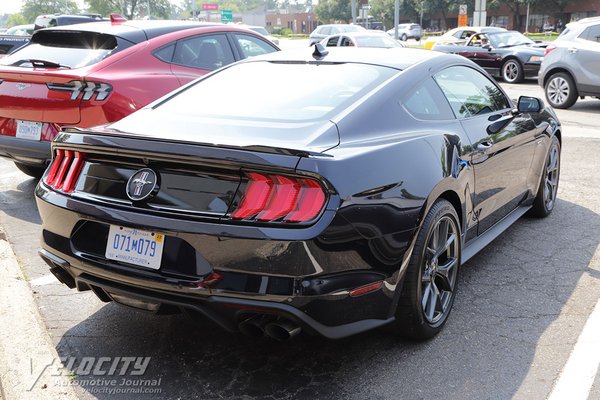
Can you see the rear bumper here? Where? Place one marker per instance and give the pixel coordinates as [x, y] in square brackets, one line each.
[307, 281]
[36, 153]
[531, 70]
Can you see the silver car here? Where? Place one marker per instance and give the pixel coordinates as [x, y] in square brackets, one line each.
[571, 66]
[407, 31]
[323, 31]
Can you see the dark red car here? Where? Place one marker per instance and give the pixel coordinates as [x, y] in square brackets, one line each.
[90, 74]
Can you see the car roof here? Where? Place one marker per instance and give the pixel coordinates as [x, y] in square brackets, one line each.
[395, 57]
[138, 30]
[362, 33]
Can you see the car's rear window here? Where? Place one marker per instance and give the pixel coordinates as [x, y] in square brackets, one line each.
[68, 49]
[253, 91]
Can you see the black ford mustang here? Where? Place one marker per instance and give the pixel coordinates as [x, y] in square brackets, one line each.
[509, 55]
[326, 192]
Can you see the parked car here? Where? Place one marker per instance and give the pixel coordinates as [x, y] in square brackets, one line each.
[90, 74]
[362, 39]
[571, 66]
[262, 31]
[347, 204]
[506, 54]
[458, 35]
[323, 31]
[14, 38]
[407, 31]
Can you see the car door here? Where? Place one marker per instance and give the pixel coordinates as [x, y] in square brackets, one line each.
[198, 55]
[503, 142]
[584, 54]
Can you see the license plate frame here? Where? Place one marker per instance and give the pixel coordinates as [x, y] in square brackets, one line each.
[135, 246]
[29, 130]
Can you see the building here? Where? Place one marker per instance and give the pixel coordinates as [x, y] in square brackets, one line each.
[297, 22]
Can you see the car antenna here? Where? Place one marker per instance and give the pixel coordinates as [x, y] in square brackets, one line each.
[319, 52]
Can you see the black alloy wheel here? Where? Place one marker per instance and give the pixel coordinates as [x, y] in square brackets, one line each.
[545, 199]
[512, 71]
[431, 279]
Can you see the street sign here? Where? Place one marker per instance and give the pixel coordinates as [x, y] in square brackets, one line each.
[226, 16]
[462, 9]
[462, 20]
[210, 7]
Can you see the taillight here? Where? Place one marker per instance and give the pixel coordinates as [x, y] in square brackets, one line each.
[549, 49]
[64, 170]
[89, 89]
[272, 197]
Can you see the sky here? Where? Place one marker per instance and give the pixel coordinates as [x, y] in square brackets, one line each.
[13, 6]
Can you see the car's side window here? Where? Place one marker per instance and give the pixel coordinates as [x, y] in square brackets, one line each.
[252, 46]
[324, 31]
[165, 53]
[346, 41]
[333, 41]
[427, 102]
[207, 52]
[592, 33]
[469, 92]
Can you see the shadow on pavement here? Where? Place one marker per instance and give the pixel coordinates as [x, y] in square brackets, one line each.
[509, 295]
[20, 203]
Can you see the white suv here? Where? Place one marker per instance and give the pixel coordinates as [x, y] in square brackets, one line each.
[323, 31]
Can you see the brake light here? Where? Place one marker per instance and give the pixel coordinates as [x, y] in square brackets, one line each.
[549, 49]
[272, 197]
[89, 89]
[116, 19]
[64, 170]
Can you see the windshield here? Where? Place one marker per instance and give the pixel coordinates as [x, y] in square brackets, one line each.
[260, 30]
[352, 28]
[254, 91]
[376, 41]
[507, 39]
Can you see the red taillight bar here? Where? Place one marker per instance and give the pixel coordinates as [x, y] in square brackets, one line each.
[275, 197]
[65, 170]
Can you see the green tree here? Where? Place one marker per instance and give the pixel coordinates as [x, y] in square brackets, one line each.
[33, 8]
[131, 9]
[15, 19]
[334, 10]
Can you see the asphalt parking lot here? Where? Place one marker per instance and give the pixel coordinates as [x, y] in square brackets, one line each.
[522, 305]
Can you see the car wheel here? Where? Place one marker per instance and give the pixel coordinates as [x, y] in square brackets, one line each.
[418, 39]
[403, 37]
[512, 71]
[431, 278]
[31, 170]
[560, 90]
[545, 199]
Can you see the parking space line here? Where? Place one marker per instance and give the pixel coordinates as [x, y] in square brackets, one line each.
[578, 374]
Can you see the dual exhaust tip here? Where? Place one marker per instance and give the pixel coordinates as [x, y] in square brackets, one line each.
[278, 329]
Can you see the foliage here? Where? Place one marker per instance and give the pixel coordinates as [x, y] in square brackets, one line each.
[334, 10]
[32, 8]
[285, 32]
[131, 9]
[15, 19]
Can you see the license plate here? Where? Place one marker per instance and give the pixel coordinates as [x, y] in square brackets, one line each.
[135, 246]
[29, 130]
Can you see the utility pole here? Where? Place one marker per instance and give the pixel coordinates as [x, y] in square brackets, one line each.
[396, 18]
[353, 5]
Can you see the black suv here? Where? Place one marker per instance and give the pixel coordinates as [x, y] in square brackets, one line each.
[47, 21]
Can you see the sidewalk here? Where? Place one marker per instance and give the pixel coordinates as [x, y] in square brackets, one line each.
[27, 356]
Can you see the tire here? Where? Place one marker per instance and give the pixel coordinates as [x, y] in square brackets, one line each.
[545, 199]
[560, 90]
[403, 37]
[418, 39]
[512, 71]
[431, 279]
[33, 171]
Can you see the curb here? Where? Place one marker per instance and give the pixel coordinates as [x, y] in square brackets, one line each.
[28, 360]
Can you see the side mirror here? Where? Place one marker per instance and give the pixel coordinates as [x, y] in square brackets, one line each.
[487, 47]
[528, 104]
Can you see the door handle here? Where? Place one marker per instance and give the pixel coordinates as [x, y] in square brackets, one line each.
[573, 50]
[484, 146]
